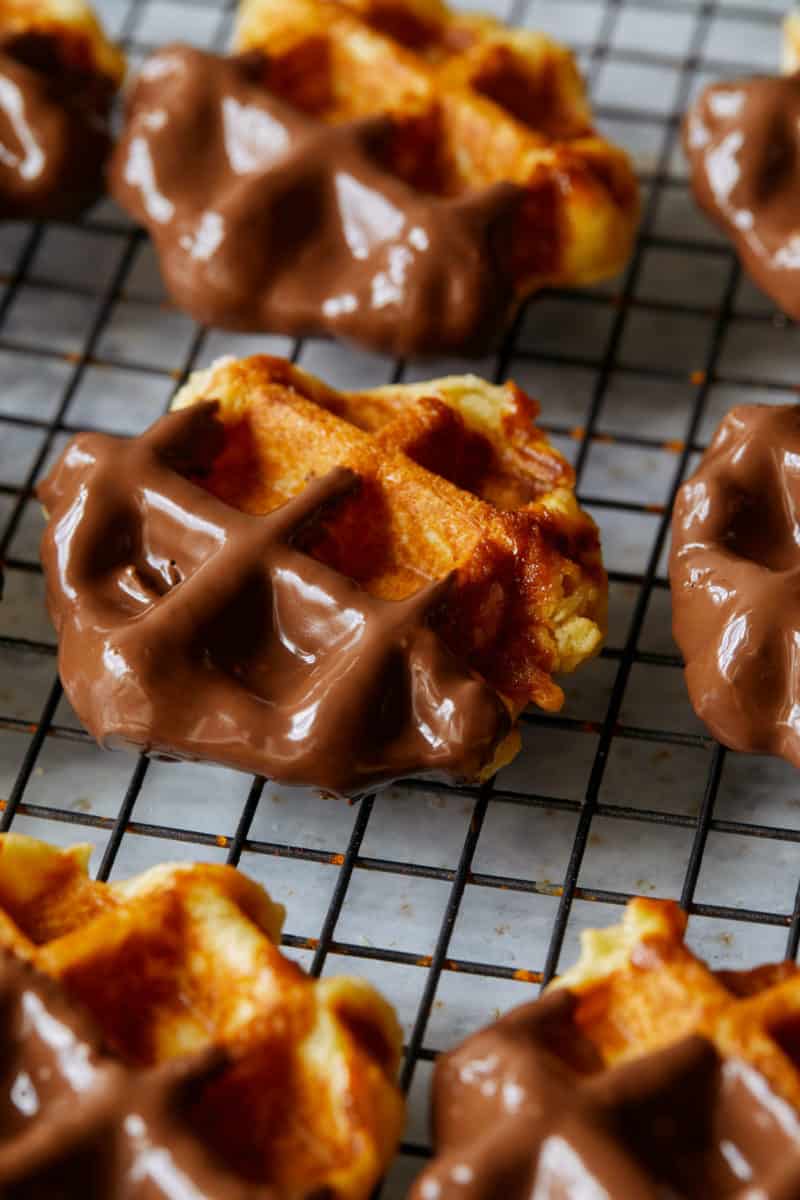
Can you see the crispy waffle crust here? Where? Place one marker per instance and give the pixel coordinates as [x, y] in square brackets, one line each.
[393, 174]
[249, 1080]
[59, 74]
[641, 1072]
[331, 589]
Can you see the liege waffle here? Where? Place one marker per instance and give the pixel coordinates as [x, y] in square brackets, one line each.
[72, 31]
[292, 1078]
[641, 1072]
[331, 590]
[406, 191]
[78, 1124]
[58, 77]
[473, 104]
[455, 478]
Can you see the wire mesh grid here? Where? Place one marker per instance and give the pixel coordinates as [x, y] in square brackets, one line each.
[457, 902]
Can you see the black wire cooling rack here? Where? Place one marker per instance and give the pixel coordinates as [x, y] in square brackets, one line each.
[633, 377]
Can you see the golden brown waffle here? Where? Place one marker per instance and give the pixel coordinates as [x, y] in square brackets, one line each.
[455, 477]
[59, 75]
[472, 104]
[640, 989]
[641, 1072]
[77, 1124]
[184, 959]
[73, 31]
[193, 629]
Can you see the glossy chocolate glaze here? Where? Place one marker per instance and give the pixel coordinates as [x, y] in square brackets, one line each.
[735, 575]
[54, 135]
[525, 1109]
[193, 630]
[267, 219]
[742, 140]
[78, 1125]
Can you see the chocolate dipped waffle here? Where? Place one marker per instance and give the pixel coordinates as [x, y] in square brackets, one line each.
[640, 1073]
[158, 1045]
[734, 575]
[742, 140]
[58, 77]
[393, 174]
[331, 589]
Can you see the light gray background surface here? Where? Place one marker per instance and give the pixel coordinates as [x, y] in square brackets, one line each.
[625, 373]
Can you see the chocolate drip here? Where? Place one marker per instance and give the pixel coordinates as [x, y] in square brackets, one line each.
[196, 631]
[735, 575]
[742, 140]
[54, 136]
[525, 1107]
[267, 219]
[76, 1124]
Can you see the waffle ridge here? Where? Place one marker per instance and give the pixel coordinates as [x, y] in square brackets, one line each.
[639, 1070]
[247, 1060]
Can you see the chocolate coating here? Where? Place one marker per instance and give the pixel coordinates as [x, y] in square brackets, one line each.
[526, 1109]
[76, 1124]
[54, 135]
[735, 575]
[196, 631]
[742, 140]
[264, 218]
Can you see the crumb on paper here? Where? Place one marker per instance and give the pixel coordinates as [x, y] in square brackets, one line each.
[551, 889]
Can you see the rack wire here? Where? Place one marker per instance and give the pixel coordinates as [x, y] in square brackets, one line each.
[458, 902]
